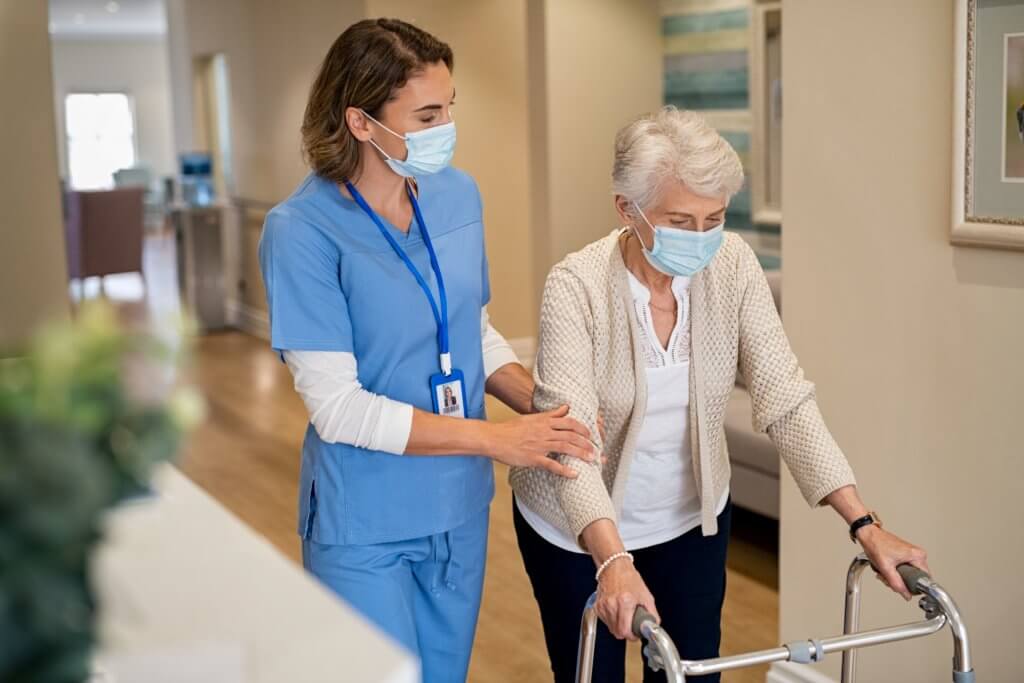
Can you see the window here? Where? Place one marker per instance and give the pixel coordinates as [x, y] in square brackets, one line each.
[101, 138]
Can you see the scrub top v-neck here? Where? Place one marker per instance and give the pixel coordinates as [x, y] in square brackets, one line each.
[334, 283]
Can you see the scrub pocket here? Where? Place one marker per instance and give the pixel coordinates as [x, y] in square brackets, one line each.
[307, 533]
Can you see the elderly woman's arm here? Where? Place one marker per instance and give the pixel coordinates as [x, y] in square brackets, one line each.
[785, 407]
[565, 376]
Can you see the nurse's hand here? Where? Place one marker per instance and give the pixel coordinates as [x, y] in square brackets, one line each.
[619, 592]
[526, 441]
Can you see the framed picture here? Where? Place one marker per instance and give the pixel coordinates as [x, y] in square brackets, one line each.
[766, 112]
[1013, 106]
[988, 124]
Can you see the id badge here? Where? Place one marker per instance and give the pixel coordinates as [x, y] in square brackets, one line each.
[448, 394]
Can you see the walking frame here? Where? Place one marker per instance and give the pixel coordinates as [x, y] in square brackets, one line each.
[938, 607]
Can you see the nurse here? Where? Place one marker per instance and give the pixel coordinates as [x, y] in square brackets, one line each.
[377, 288]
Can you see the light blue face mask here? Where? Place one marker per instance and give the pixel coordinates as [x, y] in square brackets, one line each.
[427, 151]
[679, 252]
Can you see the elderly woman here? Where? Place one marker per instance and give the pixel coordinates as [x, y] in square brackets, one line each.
[648, 327]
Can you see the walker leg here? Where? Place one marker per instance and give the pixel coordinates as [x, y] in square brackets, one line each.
[588, 636]
[851, 614]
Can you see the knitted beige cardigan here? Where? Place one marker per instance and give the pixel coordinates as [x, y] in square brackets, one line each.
[589, 359]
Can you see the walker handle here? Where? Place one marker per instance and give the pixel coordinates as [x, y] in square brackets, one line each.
[912, 577]
[641, 616]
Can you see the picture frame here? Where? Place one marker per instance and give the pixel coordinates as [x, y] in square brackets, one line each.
[1012, 151]
[979, 173]
[766, 112]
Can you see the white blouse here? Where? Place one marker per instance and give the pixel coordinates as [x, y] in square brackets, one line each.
[661, 501]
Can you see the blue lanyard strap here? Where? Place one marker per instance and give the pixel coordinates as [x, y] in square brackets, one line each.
[440, 317]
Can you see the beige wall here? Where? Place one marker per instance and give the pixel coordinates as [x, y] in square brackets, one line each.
[33, 269]
[272, 51]
[491, 114]
[915, 345]
[138, 67]
[196, 30]
[595, 64]
[289, 43]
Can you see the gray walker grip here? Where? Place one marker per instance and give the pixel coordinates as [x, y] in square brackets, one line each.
[912, 577]
[640, 616]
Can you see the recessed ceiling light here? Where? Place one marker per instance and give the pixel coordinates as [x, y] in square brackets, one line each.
[113, 7]
[79, 18]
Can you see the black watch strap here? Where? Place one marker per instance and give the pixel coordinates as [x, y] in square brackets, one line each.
[862, 522]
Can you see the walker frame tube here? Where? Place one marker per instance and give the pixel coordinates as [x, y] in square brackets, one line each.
[937, 604]
[936, 601]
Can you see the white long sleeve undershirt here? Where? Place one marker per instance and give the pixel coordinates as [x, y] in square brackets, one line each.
[342, 411]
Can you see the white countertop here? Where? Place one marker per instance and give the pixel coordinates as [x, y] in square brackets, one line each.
[189, 594]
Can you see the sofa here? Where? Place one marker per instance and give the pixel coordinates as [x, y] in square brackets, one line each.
[755, 462]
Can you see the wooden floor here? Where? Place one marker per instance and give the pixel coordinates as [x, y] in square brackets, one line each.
[246, 455]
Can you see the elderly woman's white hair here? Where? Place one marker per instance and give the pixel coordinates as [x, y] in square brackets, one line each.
[672, 144]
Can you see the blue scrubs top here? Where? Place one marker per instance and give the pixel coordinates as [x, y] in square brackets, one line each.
[334, 284]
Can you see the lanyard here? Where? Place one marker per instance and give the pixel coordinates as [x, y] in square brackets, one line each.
[440, 316]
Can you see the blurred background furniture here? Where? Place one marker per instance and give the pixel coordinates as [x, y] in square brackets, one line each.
[155, 199]
[104, 231]
[199, 244]
[755, 462]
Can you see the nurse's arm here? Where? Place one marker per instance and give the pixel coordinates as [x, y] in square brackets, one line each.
[524, 441]
[507, 379]
[513, 386]
[342, 411]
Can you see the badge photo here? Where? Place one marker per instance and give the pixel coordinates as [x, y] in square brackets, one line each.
[448, 394]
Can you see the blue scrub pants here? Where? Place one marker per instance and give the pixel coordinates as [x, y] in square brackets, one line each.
[424, 592]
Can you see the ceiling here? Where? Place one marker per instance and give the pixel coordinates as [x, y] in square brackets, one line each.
[106, 18]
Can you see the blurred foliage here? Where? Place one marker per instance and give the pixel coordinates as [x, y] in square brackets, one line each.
[84, 417]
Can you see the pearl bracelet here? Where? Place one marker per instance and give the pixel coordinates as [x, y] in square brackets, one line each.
[604, 565]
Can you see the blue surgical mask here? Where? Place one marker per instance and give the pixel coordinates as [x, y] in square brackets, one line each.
[427, 151]
[679, 252]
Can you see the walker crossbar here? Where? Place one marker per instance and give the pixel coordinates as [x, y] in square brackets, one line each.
[938, 607]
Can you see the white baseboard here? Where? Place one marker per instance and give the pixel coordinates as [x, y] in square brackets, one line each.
[788, 672]
[249, 319]
[525, 349]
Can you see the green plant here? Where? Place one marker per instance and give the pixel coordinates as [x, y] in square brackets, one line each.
[84, 417]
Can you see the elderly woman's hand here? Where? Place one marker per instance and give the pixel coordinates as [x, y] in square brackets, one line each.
[886, 552]
[619, 592]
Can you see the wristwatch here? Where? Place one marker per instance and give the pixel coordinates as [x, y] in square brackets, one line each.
[861, 522]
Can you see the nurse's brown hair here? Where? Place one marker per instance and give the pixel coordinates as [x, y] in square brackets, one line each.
[364, 67]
